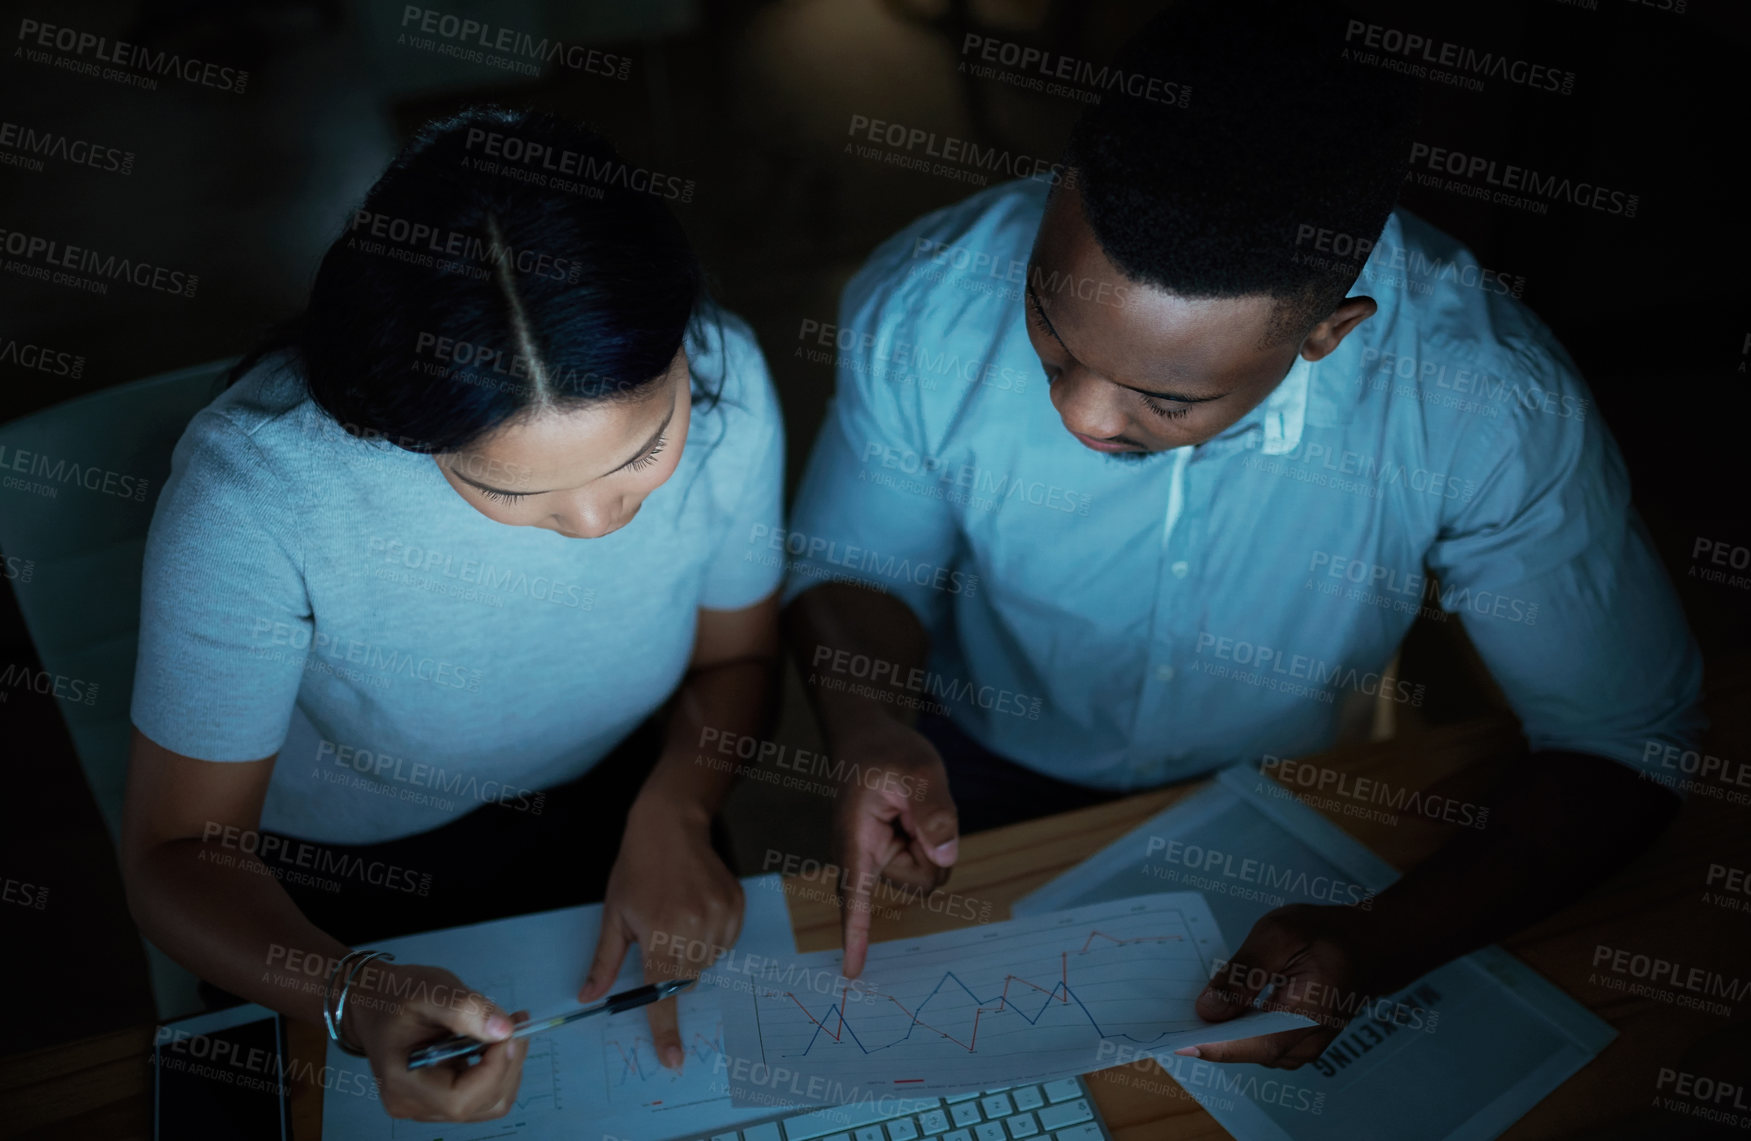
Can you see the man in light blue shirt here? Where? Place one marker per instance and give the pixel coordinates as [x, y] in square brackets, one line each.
[1276, 422]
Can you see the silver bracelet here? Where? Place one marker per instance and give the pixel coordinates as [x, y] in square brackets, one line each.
[340, 1006]
[328, 994]
[333, 1011]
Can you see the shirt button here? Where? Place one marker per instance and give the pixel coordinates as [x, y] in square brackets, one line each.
[1163, 673]
[1180, 568]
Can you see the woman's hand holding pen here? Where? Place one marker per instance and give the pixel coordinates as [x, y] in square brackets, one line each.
[395, 1010]
[671, 894]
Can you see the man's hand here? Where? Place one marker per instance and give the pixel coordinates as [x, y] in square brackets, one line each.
[671, 894]
[904, 828]
[1315, 961]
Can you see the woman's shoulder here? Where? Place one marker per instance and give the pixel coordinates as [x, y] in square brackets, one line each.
[254, 442]
[727, 364]
[269, 414]
[264, 410]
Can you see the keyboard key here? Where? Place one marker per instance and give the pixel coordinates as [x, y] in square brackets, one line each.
[954, 1097]
[726, 1137]
[990, 1131]
[902, 1129]
[966, 1112]
[1027, 1097]
[1088, 1132]
[933, 1121]
[819, 1123]
[870, 1133]
[1022, 1125]
[1063, 1089]
[958, 1135]
[1065, 1113]
[997, 1105]
[765, 1131]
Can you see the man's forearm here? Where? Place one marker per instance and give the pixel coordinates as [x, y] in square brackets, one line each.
[732, 698]
[835, 622]
[1560, 824]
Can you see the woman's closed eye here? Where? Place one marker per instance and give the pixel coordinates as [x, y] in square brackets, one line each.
[649, 457]
[643, 461]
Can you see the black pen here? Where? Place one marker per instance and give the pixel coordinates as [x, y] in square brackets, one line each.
[462, 1046]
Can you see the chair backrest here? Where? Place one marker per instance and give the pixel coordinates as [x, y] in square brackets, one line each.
[78, 483]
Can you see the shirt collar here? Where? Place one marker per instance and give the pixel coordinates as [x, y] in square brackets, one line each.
[1324, 394]
[1285, 409]
[1279, 417]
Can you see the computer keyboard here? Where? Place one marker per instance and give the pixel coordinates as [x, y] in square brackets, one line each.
[1046, 1111]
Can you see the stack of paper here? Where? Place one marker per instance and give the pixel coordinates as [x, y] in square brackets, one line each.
[1489, 1038]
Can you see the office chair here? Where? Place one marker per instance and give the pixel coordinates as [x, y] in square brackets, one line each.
[106, 457]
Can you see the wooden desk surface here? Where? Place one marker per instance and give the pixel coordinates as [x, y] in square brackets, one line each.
[99, 1087]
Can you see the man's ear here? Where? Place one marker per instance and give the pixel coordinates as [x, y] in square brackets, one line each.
[1330, 333]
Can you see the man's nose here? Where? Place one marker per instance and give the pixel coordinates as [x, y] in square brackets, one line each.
[1087, 404]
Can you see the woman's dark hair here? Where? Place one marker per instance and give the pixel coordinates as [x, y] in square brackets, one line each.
[504, 264]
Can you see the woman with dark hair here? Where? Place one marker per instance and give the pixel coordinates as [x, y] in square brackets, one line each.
[442, 593]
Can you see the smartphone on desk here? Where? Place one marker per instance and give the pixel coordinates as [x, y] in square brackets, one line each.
[221, 1074]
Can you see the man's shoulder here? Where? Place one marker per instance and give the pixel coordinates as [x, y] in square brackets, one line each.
[933, 319]
[1433, 288]
[1453, 332]
[971, 254]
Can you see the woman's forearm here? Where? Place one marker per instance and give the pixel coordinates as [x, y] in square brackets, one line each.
[219, 911]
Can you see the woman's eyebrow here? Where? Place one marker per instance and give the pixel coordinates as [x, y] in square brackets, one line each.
[650, 443]
[489, 487]
[644, 450]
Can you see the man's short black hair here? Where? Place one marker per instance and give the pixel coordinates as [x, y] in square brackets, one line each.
[1281, 136]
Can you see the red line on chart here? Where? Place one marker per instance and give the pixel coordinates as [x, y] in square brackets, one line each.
[1121, 942]
[833, 1034]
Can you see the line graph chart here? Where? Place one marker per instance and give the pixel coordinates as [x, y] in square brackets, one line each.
[1061, 992]
[635, 1076]
[1026, 999]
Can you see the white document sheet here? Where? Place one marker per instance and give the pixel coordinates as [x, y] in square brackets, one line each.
[1024, 1000]
[596, 1078]
[1459, 1055]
